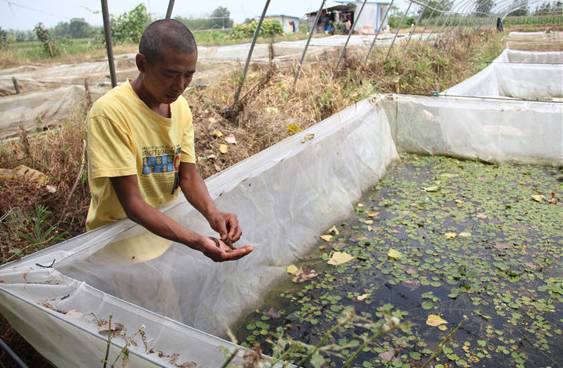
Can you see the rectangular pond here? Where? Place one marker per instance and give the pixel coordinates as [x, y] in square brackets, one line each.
[288, 196]
[466, 255]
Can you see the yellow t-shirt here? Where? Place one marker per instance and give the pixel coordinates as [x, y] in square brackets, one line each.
[125, 137]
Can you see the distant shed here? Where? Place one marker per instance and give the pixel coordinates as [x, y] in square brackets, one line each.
[345, 13]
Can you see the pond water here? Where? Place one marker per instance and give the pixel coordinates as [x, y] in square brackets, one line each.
[436, 240]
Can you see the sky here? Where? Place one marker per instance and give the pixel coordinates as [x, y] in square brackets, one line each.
[25, 14]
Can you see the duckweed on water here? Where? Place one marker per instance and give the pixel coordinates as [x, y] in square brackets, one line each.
[467, 255]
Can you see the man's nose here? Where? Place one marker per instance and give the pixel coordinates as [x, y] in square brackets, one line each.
[180, 83]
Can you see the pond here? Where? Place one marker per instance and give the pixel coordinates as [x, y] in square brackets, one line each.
[465, 256]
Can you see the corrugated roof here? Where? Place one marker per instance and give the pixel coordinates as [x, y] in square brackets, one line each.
[281, 15]
[337, 3]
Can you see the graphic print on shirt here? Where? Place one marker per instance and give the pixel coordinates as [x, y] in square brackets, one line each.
[162, 160]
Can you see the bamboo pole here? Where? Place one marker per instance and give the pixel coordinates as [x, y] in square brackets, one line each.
[169, 10]
[311, 32]
[378, 30]
[350, 34]
[109, 48]
[256, 32]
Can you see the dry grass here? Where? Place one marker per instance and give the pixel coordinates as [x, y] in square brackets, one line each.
[33, 217]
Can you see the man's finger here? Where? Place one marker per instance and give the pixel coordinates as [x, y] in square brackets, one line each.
[234, 234]
[222, 229]
[238, 253]
[237, 235]
[233, 226]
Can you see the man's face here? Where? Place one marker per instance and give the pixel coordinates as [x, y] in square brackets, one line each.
[166, 79]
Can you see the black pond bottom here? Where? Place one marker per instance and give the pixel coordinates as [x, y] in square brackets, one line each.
[478, 246]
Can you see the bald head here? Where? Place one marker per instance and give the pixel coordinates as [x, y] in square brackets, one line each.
[165, 34]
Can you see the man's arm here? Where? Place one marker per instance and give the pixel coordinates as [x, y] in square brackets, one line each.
[195, 190]
[129, 194]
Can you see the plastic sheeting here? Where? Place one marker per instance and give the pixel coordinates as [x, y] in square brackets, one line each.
[516, 74]
[32, 78]
[284, 196]
[37, 110]
[476, 128]
[535, 41]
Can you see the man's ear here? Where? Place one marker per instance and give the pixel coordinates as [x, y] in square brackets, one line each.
[141, 62]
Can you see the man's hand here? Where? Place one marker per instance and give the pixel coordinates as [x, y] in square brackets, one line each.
[218, 251]
[226, 224]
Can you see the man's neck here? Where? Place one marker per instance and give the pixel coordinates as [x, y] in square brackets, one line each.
[148, 99]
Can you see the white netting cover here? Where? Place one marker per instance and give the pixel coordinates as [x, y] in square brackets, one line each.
[477, 128]
[529, 75]
[284, 197]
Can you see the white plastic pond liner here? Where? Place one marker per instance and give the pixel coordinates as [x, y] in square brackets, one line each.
[475, 128]
[72, 339]
[284, 196]
[529, 75]
[534, 57]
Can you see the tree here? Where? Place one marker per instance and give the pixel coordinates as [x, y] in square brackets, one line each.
[221, 18]
[76, 28]
[194, 23]
[46, 40]
[521, 7]
[547, 8]
[3, 39]
[79, 28]
[270, 28]
[483, 7]
[21, 36]
[129, 26]
[438, 6]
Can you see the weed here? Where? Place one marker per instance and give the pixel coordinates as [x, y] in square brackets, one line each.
[38, 230]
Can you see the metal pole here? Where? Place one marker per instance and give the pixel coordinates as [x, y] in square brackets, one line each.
[256, 32]
[442, 20]
[17, 360]
[398, 29]
[169, 10]
[378, 30]
[317, 17]
[350, 34]
[16, 85]
[426, 25]
[109, 48]
[414, 28]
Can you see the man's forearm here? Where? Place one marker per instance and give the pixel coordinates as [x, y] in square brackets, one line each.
[195, 191]
[162, 225]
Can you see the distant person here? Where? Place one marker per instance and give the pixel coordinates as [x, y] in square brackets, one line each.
[348, 25]
[329, 28]
[141, 148]
[500, 26]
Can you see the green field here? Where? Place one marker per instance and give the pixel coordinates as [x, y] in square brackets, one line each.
[19, 53]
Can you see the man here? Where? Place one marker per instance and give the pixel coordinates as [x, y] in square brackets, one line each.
[141, 148]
